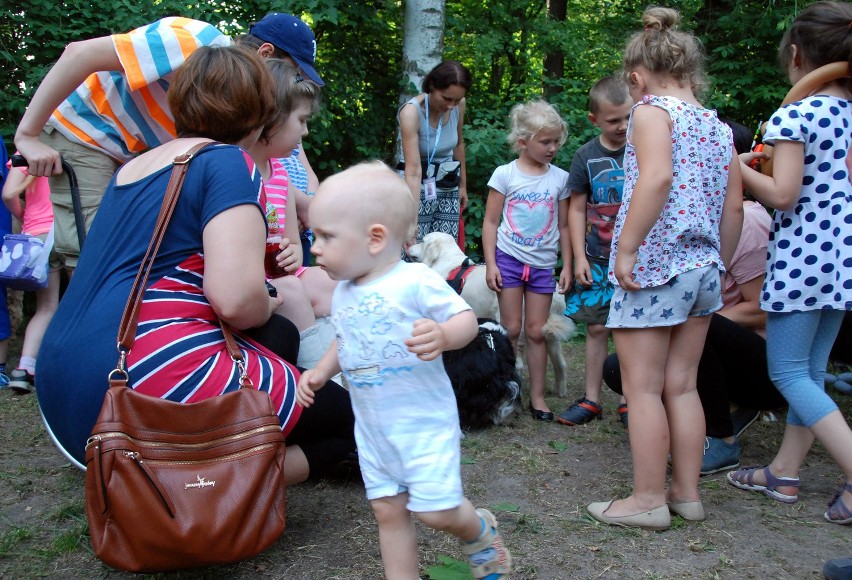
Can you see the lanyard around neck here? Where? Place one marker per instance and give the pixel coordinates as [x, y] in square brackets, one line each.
[430, 156]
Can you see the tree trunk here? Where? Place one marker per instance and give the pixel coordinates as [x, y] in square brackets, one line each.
[423, 42]
[422, 46]
[554, 62]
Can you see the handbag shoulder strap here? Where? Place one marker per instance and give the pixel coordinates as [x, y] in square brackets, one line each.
[130, 317]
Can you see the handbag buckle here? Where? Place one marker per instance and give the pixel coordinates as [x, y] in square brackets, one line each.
[245, 380]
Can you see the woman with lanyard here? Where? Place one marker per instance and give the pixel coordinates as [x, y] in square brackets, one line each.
[433, 148]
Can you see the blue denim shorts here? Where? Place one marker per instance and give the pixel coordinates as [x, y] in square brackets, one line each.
[693, 293]
[515, 274]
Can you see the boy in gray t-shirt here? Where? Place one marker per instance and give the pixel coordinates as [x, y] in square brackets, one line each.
[595, 181]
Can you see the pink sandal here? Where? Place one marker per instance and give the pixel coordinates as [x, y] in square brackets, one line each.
[743, 478]
[838, 512]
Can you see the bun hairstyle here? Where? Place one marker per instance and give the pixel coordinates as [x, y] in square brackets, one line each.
[822, 33]
[662, 48]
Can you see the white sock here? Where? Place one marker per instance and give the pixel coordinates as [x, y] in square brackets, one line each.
[28, 364]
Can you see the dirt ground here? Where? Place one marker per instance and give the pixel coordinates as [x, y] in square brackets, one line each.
[537, 478]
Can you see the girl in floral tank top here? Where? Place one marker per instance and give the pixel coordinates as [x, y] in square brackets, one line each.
[679, 222]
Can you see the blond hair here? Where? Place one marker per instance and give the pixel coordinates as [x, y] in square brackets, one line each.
[663, 49]
[376, 195]
[528, 119]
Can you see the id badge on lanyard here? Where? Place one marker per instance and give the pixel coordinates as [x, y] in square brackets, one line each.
[430, 192]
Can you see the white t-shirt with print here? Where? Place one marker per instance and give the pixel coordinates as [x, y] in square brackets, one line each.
[406, 418]
[529, 230]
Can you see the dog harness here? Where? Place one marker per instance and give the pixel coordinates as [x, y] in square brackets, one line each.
[458, 276]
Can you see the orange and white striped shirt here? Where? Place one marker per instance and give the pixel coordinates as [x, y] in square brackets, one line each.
[124, 113]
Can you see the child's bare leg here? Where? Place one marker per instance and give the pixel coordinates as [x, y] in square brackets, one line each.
[319, 288]
[536, 311]
[597, 336]
[481, 541]
[683, 407]
[463, 522]
[511, 302]
[297, 304]
[834, 434]
[642, 355]
[795, 445]
[397, 537]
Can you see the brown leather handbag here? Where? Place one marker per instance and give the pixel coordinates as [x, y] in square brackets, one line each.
[172, 485]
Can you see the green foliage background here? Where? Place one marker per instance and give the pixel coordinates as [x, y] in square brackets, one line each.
[503, 42]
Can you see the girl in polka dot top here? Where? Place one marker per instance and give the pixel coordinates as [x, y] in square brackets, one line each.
[808, 287]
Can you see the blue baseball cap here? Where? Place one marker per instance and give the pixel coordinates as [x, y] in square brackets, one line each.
[291, 35]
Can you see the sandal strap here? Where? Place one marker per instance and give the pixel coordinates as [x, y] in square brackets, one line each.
[837, 509]
[485, 538]
[745, 474]
[773, 482]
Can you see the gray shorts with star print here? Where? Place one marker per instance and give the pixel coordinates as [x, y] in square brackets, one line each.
[693, 293]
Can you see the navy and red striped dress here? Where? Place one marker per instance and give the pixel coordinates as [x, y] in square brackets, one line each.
[179, 352]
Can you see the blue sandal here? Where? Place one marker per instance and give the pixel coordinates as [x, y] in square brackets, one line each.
[838, 512]
[743, 478]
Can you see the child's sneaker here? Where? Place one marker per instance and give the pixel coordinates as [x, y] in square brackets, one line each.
[487, 556]
[4, 381]
[21, 381]
[581, 412]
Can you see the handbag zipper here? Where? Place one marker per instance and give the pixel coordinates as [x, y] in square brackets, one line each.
[229, 457]
[164, 497]
[142, 443]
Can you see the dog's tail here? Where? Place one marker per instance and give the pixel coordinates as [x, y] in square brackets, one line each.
[558, 325]
[561, 328]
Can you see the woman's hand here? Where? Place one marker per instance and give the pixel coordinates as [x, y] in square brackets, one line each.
[463, 200]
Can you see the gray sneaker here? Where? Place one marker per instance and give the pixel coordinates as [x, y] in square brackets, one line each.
[719, 455]
[21, 381]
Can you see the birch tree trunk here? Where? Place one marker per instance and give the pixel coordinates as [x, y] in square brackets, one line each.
[423, 43]
[422, 48]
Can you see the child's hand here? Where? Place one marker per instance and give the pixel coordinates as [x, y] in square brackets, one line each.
[582, 273]
[748, 158]
[310, 381]
[623, 270]
[427, 339]
[288, 257]
[493, 278]
[565, 281]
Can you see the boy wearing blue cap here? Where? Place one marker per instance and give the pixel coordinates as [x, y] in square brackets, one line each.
[104, 102]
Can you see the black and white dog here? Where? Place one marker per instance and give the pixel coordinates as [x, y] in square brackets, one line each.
[484, 378]
[440, 252]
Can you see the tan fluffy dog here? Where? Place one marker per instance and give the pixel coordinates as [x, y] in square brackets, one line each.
[440, 252]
